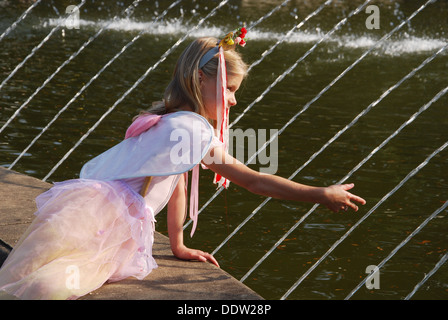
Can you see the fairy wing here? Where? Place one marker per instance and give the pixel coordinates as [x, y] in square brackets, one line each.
[175, 144]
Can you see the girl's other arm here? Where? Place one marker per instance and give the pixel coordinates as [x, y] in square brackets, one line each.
[175, 220]
[335, 197]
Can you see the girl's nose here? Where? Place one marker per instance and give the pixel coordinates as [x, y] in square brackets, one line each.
[231, 100]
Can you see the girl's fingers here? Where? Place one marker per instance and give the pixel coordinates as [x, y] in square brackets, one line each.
[353, 197]
[348, 186]
[353, 206]
[205, 256]
[348, 203]
[214, 261]
[357, 199]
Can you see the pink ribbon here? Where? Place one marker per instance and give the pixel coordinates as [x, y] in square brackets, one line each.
[194, 195]
[222, 111]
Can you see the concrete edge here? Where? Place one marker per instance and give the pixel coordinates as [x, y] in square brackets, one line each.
[174, 279]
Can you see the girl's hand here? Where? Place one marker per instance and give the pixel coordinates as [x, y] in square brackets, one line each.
[338, 198]
[185, 253]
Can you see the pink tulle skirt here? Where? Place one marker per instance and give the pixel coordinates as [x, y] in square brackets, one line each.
[86, 232]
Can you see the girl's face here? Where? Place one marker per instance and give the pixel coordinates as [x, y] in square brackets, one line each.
[208, 90]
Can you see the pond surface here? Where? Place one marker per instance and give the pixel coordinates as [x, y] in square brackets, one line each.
[319, 101]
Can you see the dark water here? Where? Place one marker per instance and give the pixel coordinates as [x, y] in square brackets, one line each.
[385, 228]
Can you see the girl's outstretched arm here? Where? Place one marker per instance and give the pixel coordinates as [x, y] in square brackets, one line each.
[335, 197]
[175, 219]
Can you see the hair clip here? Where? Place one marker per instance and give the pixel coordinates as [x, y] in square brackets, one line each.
[230, 41]
[233, 39]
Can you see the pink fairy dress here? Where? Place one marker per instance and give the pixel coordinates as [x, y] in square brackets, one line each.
[99, 228]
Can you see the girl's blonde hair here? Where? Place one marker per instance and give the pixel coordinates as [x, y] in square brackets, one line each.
[184, 88]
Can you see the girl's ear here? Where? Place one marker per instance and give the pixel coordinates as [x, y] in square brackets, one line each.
[201, 76]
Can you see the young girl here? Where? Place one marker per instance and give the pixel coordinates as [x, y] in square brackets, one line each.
[100, 227]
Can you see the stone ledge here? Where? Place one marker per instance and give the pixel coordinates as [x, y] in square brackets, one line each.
[174, 279]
